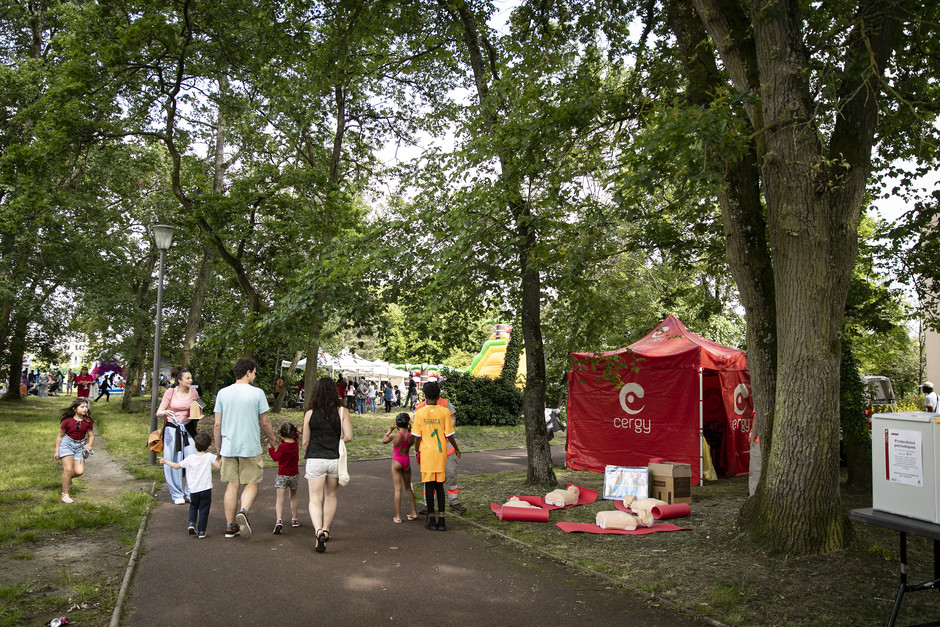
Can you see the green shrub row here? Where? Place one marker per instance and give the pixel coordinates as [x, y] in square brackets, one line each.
[483, 401]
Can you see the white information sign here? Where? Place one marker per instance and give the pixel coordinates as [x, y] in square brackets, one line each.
[904, 457]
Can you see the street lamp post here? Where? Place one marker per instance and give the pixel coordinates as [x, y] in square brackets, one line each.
[163, 236]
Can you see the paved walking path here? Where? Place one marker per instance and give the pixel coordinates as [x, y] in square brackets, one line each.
[373, 570]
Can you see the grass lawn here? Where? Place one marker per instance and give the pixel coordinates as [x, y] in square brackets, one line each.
[714, 570]
[57, 560]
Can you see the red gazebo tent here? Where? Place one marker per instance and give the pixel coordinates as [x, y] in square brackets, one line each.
[657, 398]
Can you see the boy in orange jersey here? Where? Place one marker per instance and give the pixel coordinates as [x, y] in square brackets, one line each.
[432, 425]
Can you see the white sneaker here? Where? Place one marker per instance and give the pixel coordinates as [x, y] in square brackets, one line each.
[179, 501]
[241, 519]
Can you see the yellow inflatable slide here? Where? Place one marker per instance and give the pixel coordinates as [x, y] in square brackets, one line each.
[489, 362]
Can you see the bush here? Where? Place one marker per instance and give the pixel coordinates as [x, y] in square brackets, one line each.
[911, 403]
[483, 401]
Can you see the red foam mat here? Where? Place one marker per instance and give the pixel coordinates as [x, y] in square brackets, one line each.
[676, 510]
[569, 527]
[585, 497]
[524, 514]
[660, 512]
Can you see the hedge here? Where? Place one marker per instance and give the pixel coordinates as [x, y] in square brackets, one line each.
[483, 401]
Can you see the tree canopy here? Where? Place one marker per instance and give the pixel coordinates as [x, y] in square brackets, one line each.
[403, 171]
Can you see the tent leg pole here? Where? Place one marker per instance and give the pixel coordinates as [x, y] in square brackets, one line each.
[701, 428]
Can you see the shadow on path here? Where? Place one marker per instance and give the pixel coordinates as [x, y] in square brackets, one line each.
[373, 570]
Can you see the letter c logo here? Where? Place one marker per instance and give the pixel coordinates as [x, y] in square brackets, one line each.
[629, 394]
[740, 394]
[659, 334]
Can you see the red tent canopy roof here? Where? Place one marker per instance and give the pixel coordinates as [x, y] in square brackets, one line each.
[674, 346]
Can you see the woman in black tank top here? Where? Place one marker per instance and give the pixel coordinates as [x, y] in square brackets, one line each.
[325, 422]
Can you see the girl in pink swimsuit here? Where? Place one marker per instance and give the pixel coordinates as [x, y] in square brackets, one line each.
[399, 434]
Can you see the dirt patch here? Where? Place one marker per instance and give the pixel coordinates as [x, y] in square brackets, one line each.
[51, 568]
[79, 567]
[106, 477]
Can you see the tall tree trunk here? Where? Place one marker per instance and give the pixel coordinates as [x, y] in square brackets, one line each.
[214, 384]
[310, 370]
[813, 201]
[6, 306]
[742, 211]
[199, 300]
[170, 104]
[313, 353]
[17, 350]
[132, 385]
[140, 290]
[279, 400]
[540, 470]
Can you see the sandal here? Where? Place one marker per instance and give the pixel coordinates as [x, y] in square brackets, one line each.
[321, 542]
[396, 519]
[66, 498]
[326, 532]
[412, 517]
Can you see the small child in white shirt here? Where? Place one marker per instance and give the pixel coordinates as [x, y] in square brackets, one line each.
[199, 478]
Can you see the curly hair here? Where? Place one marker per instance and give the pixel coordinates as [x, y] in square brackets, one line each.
[324, 396]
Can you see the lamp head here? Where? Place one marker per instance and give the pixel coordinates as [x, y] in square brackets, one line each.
[163, 235]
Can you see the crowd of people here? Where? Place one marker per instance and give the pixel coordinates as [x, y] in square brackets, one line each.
[362, 395]
[235, 449]
[54, 382]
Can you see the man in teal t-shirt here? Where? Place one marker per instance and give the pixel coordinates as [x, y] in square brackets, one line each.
[241, 411]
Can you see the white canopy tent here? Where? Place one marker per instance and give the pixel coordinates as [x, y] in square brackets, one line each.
[355, 366]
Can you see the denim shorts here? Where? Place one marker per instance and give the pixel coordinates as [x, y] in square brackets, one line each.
[68, 446]
[317, 467]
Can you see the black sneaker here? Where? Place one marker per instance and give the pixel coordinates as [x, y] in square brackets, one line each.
[192, 529]
[202, 534]
[241, 519]
[277, 527]
[231, 531]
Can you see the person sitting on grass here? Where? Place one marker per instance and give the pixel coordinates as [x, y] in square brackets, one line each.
[75, 425]
[288, 474]
[399, 435]
[198, 467]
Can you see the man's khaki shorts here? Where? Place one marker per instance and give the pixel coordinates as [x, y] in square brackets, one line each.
[243, 470]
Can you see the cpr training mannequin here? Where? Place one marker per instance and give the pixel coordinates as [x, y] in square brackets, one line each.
[563, 497]
[517, 502]
[621, 520]
[636, 504]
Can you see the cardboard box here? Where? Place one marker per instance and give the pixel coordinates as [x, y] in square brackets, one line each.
[671, 482]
